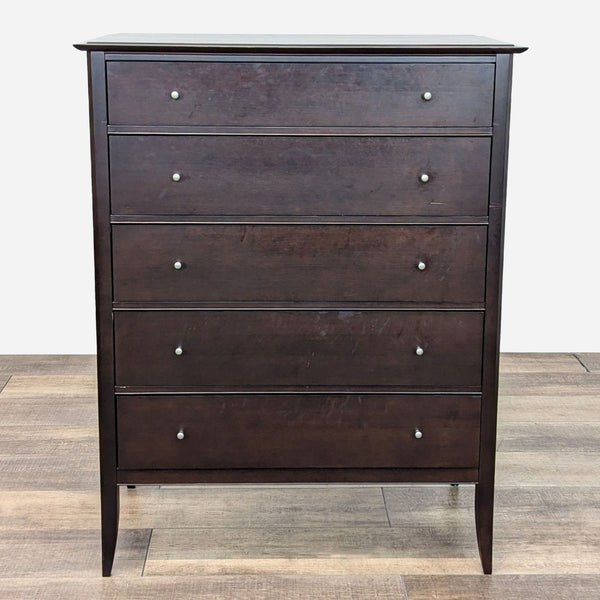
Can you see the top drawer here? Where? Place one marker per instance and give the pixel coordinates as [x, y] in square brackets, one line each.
[299, 94]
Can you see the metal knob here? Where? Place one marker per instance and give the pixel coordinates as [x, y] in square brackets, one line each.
[421, 266]
[427, 96]
[177, 265]
[175, 95]
[176, 177]
[178, 351]
[424, 178]
[418, 434]
[419, 351]
[181, 435]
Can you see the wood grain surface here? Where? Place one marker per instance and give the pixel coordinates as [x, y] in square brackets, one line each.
[315, 431]
[299, 93]
[301, 541]
[299, 263]
[217, 587]
[299, 175]
[47, 364]
[263, 348]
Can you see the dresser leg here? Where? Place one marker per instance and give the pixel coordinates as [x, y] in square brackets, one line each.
[484, 523]
[110, 526]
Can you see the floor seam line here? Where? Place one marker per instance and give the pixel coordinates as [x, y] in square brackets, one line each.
[581, 363]
[5, 383]
[387, 514]
[283, 527]
[404, 590]
[147, 552]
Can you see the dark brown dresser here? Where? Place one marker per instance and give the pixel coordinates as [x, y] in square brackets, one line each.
[298, 245]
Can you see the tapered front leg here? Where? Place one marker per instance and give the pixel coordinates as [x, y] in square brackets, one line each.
[484, 523]
[110, 526]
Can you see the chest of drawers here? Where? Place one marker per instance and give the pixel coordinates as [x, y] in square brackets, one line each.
[298, 246]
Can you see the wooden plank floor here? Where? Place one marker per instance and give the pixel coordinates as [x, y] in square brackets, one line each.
[302, 542]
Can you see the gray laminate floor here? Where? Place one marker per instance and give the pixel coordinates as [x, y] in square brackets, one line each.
[302, 542]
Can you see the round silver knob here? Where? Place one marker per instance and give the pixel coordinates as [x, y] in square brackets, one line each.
[419, 351]
[421, 266]
[176, 177]
[424, 178]
[175, 95]
[427, 96]
[179, 351]
[177, 265]
[418, 434]
[180, 435]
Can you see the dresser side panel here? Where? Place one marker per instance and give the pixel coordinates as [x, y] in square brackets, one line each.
[104, 326]
[491, 339]
[484, 504]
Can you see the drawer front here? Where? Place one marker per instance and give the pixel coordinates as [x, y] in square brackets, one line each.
[247, 263]
[298, 348]
[299, 94]
[297, 431]
[299, 175]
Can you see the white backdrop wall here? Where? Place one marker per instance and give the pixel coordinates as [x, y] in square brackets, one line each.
[551, 297]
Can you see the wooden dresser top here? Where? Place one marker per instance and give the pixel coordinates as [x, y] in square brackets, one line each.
[397, 44]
